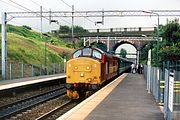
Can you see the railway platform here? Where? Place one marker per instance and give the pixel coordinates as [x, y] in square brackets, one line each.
[8, 84]
[125, 98]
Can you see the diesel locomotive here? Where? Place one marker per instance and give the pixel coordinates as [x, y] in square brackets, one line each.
[89, 68]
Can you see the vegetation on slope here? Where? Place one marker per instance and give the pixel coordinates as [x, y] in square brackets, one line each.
[26, 46]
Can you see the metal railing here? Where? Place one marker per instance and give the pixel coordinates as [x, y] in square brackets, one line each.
[130, 29]
[154, 83]
[21, 70]
[164, 84]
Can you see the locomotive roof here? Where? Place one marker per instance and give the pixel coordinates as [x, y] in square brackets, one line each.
[101, 51]
[106, 53]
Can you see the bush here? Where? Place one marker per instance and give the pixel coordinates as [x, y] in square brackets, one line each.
[27, 27]
[171, 53]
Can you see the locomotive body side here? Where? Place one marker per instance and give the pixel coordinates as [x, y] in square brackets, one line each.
[110, 67]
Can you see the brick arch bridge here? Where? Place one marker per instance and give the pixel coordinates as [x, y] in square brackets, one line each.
[114, 42]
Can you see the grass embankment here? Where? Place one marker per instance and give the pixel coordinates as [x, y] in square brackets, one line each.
[26, 46]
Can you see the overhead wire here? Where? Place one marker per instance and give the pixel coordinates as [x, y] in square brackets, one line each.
[35, 3]
[14, 6]
[47, 10]
[27, 8]
[66, 3]
[77, 11]
[21, 5]
[23, 8]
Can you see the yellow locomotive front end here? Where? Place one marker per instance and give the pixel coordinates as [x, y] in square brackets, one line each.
[82, 75]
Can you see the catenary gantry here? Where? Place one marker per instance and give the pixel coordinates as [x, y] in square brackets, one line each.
[100, 13]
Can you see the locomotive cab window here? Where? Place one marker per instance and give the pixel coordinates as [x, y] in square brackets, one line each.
[97, 54]
[87, 52]
[77, 54]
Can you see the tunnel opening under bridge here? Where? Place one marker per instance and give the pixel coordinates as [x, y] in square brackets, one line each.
[131, 49]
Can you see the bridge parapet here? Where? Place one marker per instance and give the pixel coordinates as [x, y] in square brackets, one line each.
[130, 29]
[113, 42]
[113, 32]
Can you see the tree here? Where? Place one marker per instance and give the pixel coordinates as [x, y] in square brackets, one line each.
[170, 48]
[79, 29]
[64, 29]
[172, 32]
[67, 30]
[27, 27]
[123, 53]
[144, 51]
[101, 46]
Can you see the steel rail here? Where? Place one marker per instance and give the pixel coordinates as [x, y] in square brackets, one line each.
[21, 105]
[46, 115]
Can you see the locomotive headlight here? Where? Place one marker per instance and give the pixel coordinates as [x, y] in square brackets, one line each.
[89, 79]
[87, 68]
[82, 74]
[76, 68]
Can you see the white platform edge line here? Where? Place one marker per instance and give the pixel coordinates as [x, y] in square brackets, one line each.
[3, 87]
[73, 110]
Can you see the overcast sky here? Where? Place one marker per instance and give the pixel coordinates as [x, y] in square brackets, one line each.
[58, 5]
[118, 22]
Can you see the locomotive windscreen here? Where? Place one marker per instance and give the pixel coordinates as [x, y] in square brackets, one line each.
[88, 52]
[97, 54]
[77, 54]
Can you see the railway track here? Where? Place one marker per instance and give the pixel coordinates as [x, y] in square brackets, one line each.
[54, 111]
[10, 109]
[60, 110]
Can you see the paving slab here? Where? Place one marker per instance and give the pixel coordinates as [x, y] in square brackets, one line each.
[128, 101]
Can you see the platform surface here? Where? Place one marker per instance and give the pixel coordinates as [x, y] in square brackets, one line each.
[128, 100]
[6, 84]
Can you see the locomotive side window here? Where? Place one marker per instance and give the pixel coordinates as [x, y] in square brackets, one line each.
[87, 52]
[77, 54]
[97, 54]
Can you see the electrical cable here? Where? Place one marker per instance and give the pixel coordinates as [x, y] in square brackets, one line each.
[21, 5]
[66, 3]
[13, 5]
[35, 3]
[77, 11]
[26, 8]
[47, 10]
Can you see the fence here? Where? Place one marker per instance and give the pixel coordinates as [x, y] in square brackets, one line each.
[164, 84]
[21, 70]
[154, 81]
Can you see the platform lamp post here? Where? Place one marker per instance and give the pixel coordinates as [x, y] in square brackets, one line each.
[45, 62]
[72, 29]
[46, 36]
[151, 12]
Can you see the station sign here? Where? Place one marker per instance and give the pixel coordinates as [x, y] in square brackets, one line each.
[171, 90]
